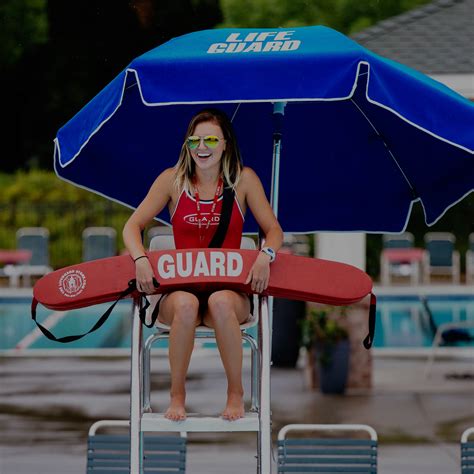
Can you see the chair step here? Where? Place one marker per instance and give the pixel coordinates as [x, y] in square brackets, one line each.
[195, 422]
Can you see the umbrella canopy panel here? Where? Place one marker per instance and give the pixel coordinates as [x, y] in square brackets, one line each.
[363, 137]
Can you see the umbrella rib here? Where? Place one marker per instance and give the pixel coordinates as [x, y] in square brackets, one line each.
[235, 112]
[379, 135]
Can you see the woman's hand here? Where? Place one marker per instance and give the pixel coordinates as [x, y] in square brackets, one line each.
[144, 275]
[259, 274]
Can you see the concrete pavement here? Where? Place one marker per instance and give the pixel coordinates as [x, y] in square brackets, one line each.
[47, 405]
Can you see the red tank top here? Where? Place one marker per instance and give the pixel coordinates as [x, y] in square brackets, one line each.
[185, 223]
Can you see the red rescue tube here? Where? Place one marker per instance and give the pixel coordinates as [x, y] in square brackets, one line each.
[292, 277]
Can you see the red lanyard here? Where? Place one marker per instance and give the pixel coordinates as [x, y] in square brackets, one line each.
[202, 234]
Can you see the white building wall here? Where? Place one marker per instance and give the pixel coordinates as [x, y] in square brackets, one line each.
[345, 247]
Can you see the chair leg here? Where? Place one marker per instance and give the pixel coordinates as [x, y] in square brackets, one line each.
[147, 368]
[255, 372]
[136, 392]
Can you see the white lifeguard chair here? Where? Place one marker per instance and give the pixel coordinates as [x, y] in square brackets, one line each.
[258, 419]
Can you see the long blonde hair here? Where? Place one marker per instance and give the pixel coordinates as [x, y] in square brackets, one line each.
[231, 161]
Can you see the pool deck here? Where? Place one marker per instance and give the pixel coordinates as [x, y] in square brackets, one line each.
[47, 405]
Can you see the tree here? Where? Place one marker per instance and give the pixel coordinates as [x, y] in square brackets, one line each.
[346, 16]
[59, 54]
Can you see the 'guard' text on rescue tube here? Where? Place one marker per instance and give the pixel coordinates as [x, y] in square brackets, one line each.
[186, 264]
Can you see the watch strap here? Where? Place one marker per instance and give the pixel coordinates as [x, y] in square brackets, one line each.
[270, 252]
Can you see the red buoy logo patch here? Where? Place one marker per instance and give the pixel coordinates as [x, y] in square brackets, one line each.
[72, 283]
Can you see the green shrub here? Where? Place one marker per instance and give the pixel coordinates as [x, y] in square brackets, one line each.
[39, 198]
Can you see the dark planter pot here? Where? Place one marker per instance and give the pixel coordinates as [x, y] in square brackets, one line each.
[286, 331]
[333, 365]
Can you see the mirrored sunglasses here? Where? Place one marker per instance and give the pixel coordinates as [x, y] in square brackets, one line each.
[211, 141]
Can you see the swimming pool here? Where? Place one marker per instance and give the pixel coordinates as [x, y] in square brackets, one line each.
[401, 323]
[17, 330]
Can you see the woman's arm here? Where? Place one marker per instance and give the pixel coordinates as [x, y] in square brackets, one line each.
[263, 213]
[157, 198]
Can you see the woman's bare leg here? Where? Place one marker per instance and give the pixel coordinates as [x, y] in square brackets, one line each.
[225, 312]
[180, 310]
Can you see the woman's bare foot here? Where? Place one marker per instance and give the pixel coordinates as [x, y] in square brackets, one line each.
[235, 407]
[176, 410]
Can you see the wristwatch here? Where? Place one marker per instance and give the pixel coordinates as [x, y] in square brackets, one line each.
[270, 252]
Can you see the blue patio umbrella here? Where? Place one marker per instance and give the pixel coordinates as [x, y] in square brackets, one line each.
[364, 137]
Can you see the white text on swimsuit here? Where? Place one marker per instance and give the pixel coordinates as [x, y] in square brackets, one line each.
[257, 42]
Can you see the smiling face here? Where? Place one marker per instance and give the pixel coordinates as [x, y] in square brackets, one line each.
[208, 157]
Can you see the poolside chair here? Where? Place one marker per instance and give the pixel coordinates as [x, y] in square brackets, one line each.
[257, 420]
[162, 242]
[347, 454]
[389, 269]
[98, 242]
[467, 452]
[35, 239]
[452, 334]
[111, 452]
[470, 260]
[441, 258]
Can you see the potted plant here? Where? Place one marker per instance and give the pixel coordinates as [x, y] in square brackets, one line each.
[327, 341]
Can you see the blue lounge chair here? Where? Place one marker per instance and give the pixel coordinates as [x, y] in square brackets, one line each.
[98, 242]
[35, 239]
[111, 452]
[398, 241]
[327, 454]
[441, 258]
[467, 452]
[389, 269]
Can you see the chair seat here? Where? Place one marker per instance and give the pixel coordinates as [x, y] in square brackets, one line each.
[252, 321]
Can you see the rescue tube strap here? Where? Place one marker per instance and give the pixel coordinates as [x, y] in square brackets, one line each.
[226, 214]
[368, 341]
[131, 287]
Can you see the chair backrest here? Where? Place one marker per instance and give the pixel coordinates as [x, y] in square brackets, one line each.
[35, 239]
[399, 241]
[98, 242]
[111, 452]
[467, 452]
[328, 455]
[440, 247]
[158, 230]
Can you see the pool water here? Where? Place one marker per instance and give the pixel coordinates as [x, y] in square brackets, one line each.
[401, 323]
[16, 324]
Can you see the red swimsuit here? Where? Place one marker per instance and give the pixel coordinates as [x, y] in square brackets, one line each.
[185, 223]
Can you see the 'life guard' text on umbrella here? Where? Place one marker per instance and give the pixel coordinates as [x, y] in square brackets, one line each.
[264, 41]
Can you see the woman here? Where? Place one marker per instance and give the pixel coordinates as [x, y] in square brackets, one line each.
[209, 158]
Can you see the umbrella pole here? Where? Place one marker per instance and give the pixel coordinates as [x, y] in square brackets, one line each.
[278, 115]
[265, 449]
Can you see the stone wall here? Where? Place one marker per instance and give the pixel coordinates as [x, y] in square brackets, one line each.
[360, 359]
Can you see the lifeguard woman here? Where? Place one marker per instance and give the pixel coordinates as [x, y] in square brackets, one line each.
[193, 191]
